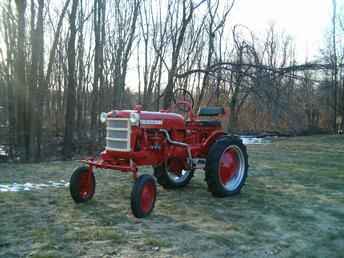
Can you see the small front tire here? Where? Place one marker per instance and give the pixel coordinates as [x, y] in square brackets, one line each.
[82, 184]
[143, 196]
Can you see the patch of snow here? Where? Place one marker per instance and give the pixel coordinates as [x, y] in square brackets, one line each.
[2, 151]
[31, 186]
[247, 140]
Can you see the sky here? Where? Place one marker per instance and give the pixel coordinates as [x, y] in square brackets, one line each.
[306, 21]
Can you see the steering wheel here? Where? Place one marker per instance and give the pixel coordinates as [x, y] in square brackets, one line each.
[183, 100]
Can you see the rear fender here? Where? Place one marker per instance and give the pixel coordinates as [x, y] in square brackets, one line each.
[211, 139]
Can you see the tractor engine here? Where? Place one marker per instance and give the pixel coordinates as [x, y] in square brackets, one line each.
[144, 137]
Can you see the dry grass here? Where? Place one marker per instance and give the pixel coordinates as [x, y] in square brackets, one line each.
[291, 206]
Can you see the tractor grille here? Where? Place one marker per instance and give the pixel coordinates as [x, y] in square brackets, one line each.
[118, 134]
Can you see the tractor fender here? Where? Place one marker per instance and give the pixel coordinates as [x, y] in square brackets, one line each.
[230, 136]
[214, 136]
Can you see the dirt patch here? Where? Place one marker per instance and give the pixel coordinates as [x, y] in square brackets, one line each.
[291, 206]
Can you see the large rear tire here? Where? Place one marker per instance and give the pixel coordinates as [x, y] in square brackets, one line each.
[172, 180]
[226, 166]
[82, 185]
[143, 196]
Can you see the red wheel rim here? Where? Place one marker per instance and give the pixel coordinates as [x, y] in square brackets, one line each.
[229, 165]
[85, 185]
[147, 197]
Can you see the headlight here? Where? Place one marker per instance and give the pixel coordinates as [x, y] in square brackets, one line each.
[134, 118]
[103, 117]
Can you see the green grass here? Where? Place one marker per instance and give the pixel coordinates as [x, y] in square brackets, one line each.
[292, 206]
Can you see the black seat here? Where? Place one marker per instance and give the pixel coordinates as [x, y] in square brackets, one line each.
[211, 111]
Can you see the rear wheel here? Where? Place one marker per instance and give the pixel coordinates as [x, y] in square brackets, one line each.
[82, 184]
[143, 196]
[227, 165]
[173, 174]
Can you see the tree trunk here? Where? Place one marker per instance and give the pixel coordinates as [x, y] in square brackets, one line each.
[23, 137]
[98, 5]
[186, 19]
[233, 112]
[80, 97]
[335, 66]
[33, 77]
[10, 30]
[101, 67]
[42, 90]
[70, 107]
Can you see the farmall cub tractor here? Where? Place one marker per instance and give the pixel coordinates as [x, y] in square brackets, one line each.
[175, 145]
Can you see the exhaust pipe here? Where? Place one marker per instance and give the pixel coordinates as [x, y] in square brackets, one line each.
[169, 140]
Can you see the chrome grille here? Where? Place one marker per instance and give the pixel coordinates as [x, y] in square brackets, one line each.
[117, 122]
[118, 134]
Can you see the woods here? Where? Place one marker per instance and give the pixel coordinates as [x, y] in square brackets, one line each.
[64, 62]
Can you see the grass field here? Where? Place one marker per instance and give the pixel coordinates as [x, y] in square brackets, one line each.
[291, 206]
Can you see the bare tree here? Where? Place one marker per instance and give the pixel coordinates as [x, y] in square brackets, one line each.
[40, 89]
[23, 137]
[213, 28]
[335, 65]
[53, 89]
[9, 26]
[126, 27]
[178, 31]
[99, 33]
[70, 110]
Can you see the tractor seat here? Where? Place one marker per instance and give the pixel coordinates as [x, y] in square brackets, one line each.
[211, 111]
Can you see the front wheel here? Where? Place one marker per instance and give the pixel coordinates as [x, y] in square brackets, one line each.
[226, 167]
[143, 196]
[82, 184]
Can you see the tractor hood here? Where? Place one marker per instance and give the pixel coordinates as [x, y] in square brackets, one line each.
[149, 119]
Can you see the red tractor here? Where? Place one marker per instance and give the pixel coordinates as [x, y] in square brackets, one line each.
[174, 145]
